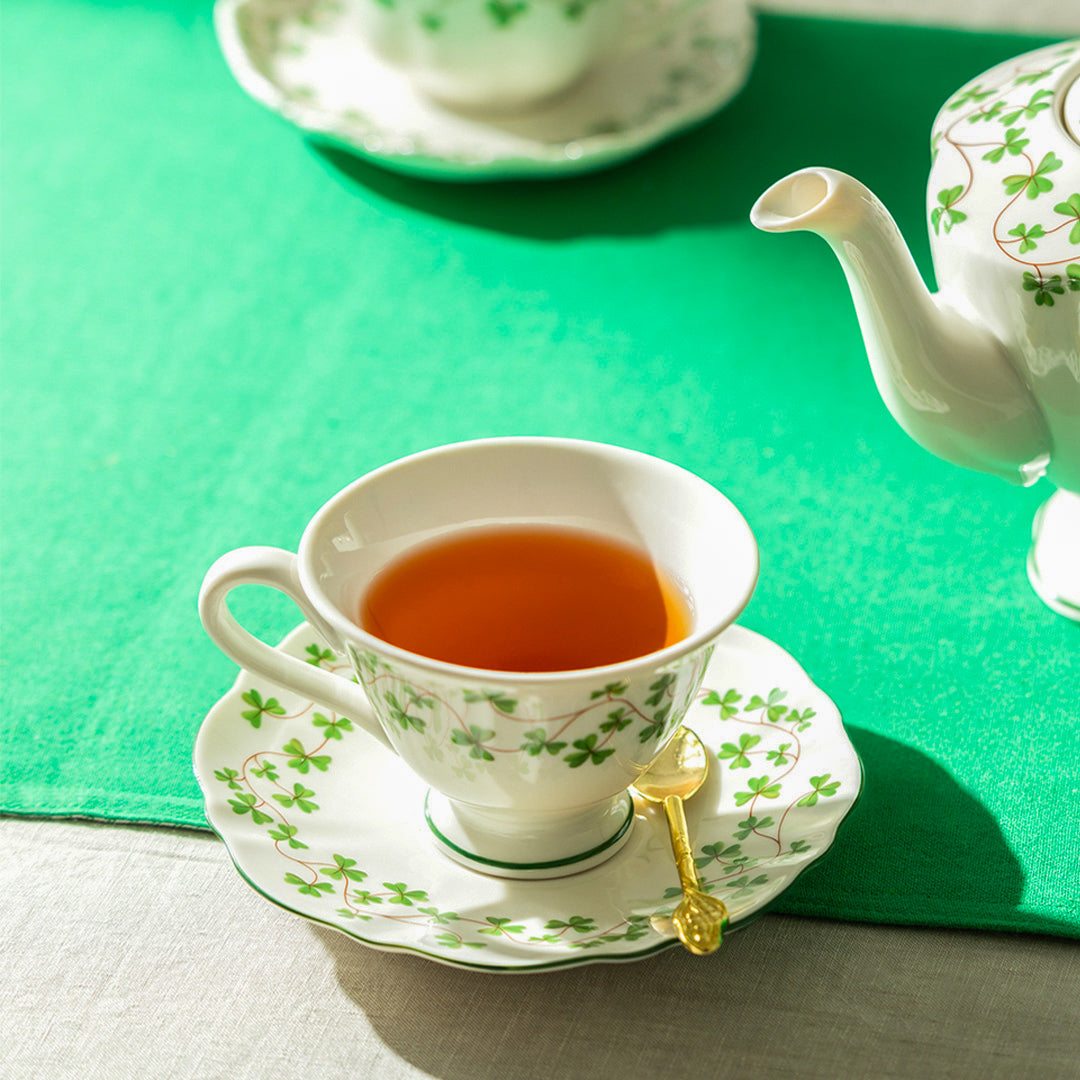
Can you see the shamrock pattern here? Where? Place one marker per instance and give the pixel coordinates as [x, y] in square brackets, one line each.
[989, 131]
[281, 788]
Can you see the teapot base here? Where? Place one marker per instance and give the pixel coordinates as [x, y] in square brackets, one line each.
[1053, 564]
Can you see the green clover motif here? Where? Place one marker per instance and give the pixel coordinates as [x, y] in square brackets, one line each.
[1045, 289]
[1071, 208]
[774, 710]
[587, 752]
[536, 741]
[401, 715]
[613, 690]
[266, 770]
[497, 698]
[727, 703]
[947, 197]
[737, 754]
[403, 894]
[301, 760]
[244, 803]
[475, 738]
[309, 888]
[342, 870]
[991, 113]
[286, 834]
[972, 96]
[332, 728]
[1034, 183]
[760, 786]
[750, 824]
[440, 918]
[1031, 109]
[744, 885]
[317, 655]
[504, 12]
[300, 798]
[822, 786]
[717, 853]
[254, 715]
[1036, 76]
[364, 897]
[1013, 144]
[617, 720]
[501, 925]
[580, 924]
[1027, 236]
[659, 689]
[229, 777]
[779, 756]
[453, 941]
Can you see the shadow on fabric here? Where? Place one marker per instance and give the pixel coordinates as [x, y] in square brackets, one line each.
[918, 850]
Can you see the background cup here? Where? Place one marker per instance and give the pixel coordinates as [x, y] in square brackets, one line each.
[506, 55]
[528, 772]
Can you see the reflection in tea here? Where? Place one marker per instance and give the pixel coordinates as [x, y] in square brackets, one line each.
[526, 598]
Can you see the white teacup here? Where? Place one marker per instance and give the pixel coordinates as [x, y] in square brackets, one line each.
[528, 774]
[506, 55]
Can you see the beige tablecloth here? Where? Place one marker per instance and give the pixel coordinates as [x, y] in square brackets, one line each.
[139, 952]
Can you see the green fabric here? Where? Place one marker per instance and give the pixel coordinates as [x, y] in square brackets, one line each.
[210, 326]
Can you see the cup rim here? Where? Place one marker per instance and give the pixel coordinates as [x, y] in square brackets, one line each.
[348, 630]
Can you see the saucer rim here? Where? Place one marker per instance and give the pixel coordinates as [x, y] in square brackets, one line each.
[599, 151]
[753, 637]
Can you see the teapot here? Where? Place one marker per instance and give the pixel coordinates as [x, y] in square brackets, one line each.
[986, 372]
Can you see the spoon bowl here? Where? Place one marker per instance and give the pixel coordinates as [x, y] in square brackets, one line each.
[679, 772]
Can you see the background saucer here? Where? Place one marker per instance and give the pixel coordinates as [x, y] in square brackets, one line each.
[306, 60]
[326, 823]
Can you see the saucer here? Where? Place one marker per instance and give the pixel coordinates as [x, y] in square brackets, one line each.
[307, 61]
[325, 822]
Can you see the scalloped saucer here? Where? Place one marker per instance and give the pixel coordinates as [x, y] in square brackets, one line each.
[328, 824]
[306, 60]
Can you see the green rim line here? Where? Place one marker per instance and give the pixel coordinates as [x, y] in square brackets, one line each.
[568, 861]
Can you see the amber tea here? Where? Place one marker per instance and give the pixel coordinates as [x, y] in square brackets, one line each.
[526, 598]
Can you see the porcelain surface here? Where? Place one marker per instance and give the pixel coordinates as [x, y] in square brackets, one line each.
[325, 822]
[309, 61]
[530, 767]
[984, 373]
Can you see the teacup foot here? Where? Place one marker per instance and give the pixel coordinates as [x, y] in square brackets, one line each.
[529, 844]
[1053, 563]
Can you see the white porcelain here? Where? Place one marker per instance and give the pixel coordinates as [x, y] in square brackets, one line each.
[501, 55]
[329, 825]
[529, 770]
[985, 373]
[314, 64]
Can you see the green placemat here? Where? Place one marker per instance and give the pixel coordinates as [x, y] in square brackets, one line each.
[210, 326]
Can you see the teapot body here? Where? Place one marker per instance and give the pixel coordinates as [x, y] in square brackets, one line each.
[1003, 203]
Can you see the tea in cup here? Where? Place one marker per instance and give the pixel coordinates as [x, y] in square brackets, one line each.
[528, 620]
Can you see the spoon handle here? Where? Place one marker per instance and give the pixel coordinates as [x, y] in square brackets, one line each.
[700, 919]
[680, 842]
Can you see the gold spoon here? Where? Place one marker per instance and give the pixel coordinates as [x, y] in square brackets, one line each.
[700, 919]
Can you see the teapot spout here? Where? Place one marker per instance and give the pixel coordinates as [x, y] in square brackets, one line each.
[947, 381]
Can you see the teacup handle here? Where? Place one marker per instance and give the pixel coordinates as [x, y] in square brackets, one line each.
[277, 568]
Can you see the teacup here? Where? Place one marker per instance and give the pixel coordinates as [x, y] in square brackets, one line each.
[507, 55]
[528, 771]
